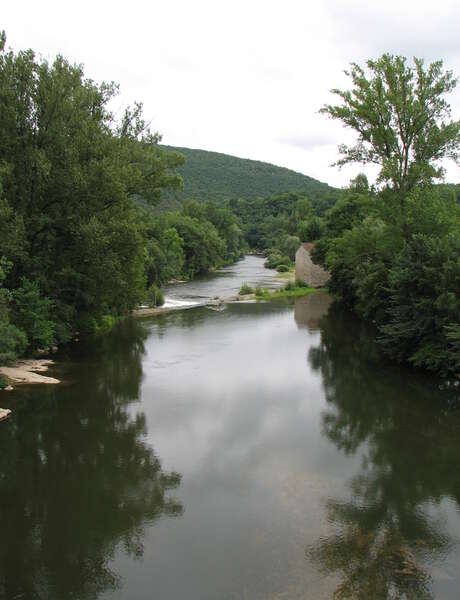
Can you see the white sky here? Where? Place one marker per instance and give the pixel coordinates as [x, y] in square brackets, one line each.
[242, 77]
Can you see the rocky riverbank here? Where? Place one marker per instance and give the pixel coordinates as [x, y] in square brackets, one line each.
[28, 371]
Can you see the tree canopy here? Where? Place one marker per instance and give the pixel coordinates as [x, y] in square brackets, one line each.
[394, 253]
[401, 117]
[75, 248]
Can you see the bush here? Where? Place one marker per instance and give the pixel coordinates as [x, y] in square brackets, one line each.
[3, 382]
[13, 341]
[275, 259]
[289, 286]
[105, 323]
[301, 284]
[259, 291]
[282, 268]
[32, 314]
[246, 289]
[154, 296]
[272, 261]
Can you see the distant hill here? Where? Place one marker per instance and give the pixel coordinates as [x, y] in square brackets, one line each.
[217, 177]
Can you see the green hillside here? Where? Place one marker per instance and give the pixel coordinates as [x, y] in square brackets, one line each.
[217, 177]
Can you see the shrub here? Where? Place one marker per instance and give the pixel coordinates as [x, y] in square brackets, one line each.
[259, 291]
[275, 259]
[107, 322]
[300, 284]
[32, 314]
[154, 296]
[272, 261]
[3, 382]
[282, 268]
[246, 289]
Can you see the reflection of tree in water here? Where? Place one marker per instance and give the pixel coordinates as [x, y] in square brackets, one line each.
[77, 479]
[409, 433]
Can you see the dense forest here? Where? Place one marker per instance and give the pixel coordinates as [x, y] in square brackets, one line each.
[276, 225]
[76, 251]
[217, 177]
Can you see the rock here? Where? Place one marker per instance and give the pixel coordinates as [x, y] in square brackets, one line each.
[4, 413]
[9, 388]
[27, 371]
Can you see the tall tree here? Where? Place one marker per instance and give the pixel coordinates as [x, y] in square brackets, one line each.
[69, 172]
[402, 119]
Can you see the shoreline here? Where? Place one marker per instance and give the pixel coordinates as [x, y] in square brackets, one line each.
[246, 298]
[28, 371]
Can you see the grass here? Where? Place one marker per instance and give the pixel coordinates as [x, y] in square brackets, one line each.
[292, 292]
[287, 274]
[245, 290]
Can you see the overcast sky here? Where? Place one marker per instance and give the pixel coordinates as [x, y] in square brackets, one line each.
[242, 77]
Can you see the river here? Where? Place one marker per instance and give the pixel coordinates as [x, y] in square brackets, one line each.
[263, 452]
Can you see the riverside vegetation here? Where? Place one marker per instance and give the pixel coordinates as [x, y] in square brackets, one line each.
[394, 250]
[88, 232]
[76, 251]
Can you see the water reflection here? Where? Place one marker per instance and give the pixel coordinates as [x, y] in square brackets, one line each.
[385, 537]
[77, 478]
[309, 310]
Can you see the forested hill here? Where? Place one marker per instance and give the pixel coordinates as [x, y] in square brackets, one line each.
[215, 176]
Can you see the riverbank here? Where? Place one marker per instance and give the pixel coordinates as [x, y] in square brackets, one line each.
[294, 292]
[28, 371]
[264, 295]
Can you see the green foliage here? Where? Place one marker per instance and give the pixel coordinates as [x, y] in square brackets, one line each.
[289, 244]
[394, 257]
[245, 290]
[423, 312]
[310, 231]
[300, 284]
[13, 341]
[211, 176]
[408, 285]
[105, 323]
[282, 268]
[154, 296]
[401, 117]
[268, 221]
[69, 173]
[194, 240]
[290, 291]
[32, 314]
[274, 260]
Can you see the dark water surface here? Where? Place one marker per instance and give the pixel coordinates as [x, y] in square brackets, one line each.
[265, 452]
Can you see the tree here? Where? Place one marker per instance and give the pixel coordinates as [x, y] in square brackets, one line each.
[310, 230]
[70, 171]
[402, 120]
[289, 244]
[32, 314]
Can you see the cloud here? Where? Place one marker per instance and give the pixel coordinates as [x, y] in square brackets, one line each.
[245, 78]
[423, 29]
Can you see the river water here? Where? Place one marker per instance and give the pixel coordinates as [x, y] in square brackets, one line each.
[265, 452]
[224, 283]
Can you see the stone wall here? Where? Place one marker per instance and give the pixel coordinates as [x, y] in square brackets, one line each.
[305, 270]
